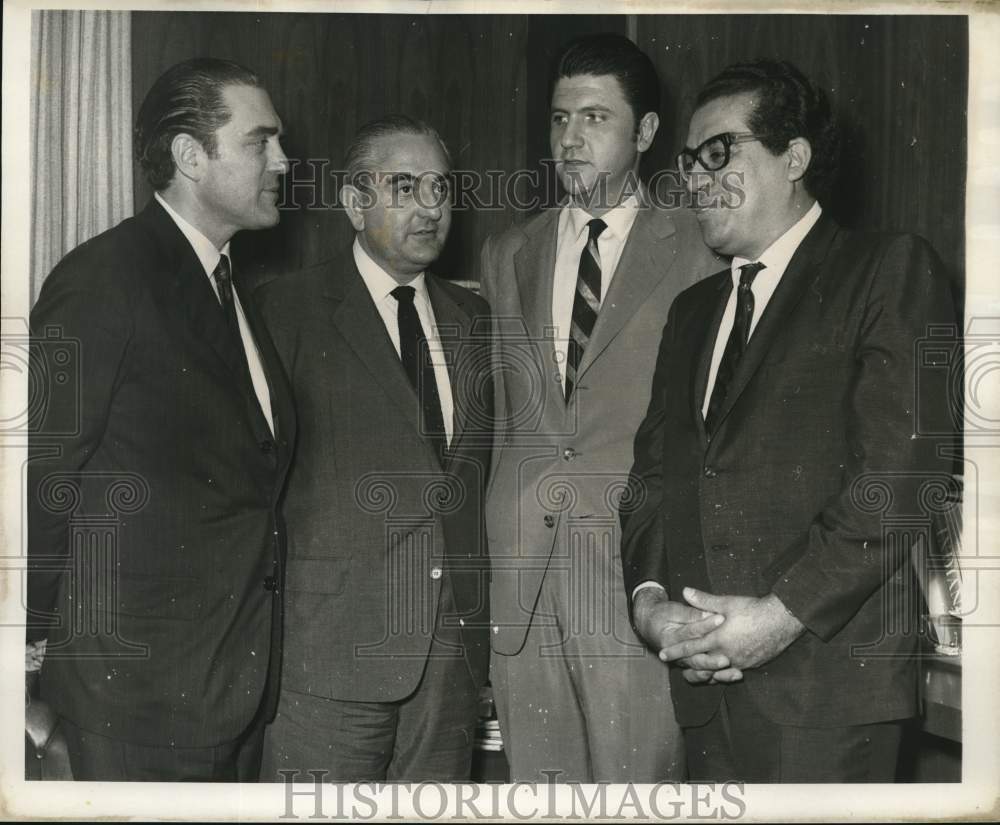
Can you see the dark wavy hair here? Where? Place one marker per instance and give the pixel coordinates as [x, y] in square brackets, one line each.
[185, 99]
[615, 55]
[788, 105]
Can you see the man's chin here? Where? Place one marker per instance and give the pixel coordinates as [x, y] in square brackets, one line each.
[268, 218]
[426, 251]
[577, 189]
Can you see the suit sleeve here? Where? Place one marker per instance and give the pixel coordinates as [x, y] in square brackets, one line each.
[81, 327]
[642, 547]
[828, 574]
[488, 287]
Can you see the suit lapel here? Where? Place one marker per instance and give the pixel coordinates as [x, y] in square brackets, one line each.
[192, 294]
[534, 269]
[705, 328]
[281, 413]
[802, 270]
[644, 262]
[453, 329]
[189, 296]
[356, 318]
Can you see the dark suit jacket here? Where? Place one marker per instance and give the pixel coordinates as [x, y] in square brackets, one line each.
[153, 495]
[375, 523]
[812, 474]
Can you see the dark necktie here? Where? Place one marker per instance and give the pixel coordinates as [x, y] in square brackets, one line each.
[223, 276]
[224, 282]
[735, 346]
[416, 358]
[586, 303]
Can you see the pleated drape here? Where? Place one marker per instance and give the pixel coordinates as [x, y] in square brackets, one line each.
[81, 113]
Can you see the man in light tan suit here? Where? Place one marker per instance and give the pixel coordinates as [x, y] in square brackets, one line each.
[580, 295]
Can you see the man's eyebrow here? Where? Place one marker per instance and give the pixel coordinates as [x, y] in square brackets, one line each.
[400, 177]
[263, 131]
[590, 107]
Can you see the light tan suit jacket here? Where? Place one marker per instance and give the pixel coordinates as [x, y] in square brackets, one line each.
[560, 468]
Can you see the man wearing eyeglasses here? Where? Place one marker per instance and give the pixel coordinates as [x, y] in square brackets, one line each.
[783, 398]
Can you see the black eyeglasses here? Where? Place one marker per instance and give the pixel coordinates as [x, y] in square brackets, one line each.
[713, 154]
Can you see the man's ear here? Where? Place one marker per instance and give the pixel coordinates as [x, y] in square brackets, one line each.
[189, 155]
[354, 201]
[799, 154]
[647, 130]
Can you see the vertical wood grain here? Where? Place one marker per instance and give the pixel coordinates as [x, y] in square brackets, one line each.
[898, 84]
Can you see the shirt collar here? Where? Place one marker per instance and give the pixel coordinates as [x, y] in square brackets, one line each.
[619, 220]
[776, 257]
[203, 247]
[379, 282]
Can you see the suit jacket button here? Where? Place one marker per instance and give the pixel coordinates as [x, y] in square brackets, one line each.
[710, 472]
[271, 584]
[266, 446]
[549, 521]
[436, 573]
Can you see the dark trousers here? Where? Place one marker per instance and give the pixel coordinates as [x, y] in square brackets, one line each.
[741, 744]
[426, 736]
[96, 758]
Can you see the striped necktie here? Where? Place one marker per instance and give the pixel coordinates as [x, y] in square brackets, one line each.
[586, 303]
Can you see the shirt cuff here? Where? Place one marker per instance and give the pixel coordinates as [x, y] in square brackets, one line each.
[646, 585]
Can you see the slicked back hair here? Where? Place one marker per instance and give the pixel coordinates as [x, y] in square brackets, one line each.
[362, 159]
[787, 105]
[185, 99]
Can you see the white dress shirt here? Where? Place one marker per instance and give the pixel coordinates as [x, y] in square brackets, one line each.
[381, 284]
[775, 259]
[571, 241]
[209, 257]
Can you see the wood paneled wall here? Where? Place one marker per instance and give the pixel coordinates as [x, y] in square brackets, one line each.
[330, 73]
[899, 84]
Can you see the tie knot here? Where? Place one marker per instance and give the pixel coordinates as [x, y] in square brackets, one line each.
[596, 226]
[748, 272]
[222, 272]
[404, 294]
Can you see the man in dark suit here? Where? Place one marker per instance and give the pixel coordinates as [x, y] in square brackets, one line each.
[386, 590]
[580, 295]
[783, 407]
[162, 624]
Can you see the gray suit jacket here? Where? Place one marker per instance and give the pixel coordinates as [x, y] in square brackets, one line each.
[559, 469]
[376, 522]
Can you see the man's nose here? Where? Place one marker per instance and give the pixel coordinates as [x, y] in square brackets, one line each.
[279, 161]
[433, 207]
[698, 180]
[572, 135]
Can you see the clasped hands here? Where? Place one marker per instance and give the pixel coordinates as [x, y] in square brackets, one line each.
[714, 638]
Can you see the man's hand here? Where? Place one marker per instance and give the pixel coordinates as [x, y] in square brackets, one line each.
[753, 633]
[664, 624]
[34, 653]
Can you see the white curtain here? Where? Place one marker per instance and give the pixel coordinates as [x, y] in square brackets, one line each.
[81, 116]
